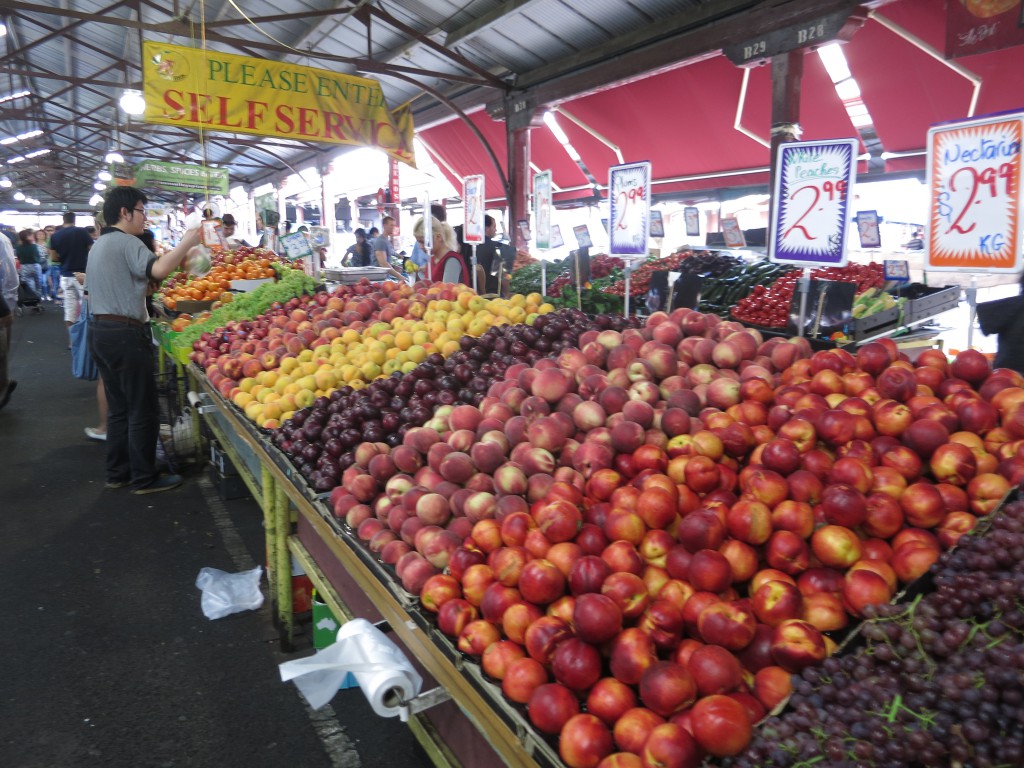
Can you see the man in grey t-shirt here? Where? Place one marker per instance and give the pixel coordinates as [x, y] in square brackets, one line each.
[120, 267]
[383, 251]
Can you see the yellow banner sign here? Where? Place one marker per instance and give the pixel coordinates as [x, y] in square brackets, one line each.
[238, 94]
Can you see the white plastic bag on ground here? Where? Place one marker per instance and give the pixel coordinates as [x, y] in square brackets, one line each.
[226, 593]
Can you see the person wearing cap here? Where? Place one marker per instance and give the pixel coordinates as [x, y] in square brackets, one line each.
[228, 225]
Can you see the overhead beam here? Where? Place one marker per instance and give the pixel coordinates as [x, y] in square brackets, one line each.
[488, 20]
[683, 37]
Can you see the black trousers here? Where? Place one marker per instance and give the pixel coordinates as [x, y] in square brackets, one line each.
[125, 357]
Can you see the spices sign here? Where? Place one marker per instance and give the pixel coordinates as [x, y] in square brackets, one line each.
[813, 180]
[974, 175]
[629, 202]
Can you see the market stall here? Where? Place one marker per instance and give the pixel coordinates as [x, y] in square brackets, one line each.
[668, 455]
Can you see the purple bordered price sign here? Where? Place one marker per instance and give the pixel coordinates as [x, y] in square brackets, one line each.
[473, 197]
[974, 175]
[629, 203]
[813, 180]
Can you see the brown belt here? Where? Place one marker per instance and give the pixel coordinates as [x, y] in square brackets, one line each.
[120, 319]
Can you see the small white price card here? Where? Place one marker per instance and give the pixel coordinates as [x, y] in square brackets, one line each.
[974, 175]
[629, 201]
[813, 180]
[542, 212]
[473, 199]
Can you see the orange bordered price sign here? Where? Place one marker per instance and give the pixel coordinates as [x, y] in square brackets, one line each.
[974, 175]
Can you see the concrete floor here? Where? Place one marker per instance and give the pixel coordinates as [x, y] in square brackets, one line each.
[107, 659]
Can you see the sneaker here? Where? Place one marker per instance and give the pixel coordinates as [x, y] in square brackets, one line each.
[162, 483]
[113, 485]
[95, 434]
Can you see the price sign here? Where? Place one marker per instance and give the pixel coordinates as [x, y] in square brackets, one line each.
[557, 241]
[473, 199]
[582, 236]
[296, 246]
[629, 202]
[867, 229]
[692, 217]
[657, 224]
[897, 270]
[428, 225]
[813, 180]
[732, 234]
[542, 209]
[974, 174]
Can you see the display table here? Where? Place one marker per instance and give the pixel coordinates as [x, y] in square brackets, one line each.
[477, 726]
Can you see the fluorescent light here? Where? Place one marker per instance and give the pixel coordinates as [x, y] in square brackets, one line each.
[861, 121]
[132, 102]
[13, 96]
[14, 160]
[858, 109]
[3, 29]
[834, 59]
[19, 195]
[104, 176]
[113, 157]
[848, 90]
[37, 153]
[21, 137]
[552, 123]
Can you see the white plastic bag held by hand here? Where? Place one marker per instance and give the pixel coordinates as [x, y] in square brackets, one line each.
[227, 593]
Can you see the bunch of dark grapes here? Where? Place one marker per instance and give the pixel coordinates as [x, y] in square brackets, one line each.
[937, 682]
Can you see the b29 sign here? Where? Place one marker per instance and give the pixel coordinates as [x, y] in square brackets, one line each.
[813, 181]
[974, 174]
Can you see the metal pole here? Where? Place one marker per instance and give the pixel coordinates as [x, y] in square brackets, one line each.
[473, 269]
[804, 286]
[543, 276]
[972, 302]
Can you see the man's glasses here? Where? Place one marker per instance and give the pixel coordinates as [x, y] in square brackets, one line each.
[139, 210]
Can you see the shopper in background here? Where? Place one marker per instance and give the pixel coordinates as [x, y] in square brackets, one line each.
[49, 292]
[8, 280]
[28, 256]
[383, 250]
[444, 254]
[228, 226]
[7, 385]
[69, 246]
[495, 257]
[357, 254]
[120, 269]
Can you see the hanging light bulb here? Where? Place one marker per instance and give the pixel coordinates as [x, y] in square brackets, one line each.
[95, 200]
[114, 157]
[104, 176]
[5, 183]
[132, 102]
[99, 186]
[19, 196]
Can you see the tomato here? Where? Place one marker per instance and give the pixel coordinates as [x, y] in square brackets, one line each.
[721, 725]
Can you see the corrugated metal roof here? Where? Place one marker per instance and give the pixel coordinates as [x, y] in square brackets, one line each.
[75, 57]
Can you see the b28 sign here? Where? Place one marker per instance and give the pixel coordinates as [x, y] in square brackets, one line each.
[813, 180]
[974, 175]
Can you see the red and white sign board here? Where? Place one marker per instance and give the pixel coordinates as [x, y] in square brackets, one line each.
[974, 176]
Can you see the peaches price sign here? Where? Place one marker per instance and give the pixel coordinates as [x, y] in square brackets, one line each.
[974, 174]
[812, 193]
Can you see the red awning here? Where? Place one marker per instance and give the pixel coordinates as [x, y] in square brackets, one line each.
[682, 120]
[906, 90]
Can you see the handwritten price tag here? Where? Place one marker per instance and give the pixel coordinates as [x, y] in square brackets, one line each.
[974, 170]
[813, 180]
[629, 200]
[473, 195]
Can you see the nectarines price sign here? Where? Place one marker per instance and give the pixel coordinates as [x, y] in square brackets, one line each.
[812, 194]
[974, 172]
[629, 200]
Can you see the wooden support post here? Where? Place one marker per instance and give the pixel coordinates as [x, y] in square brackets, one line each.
[283, 566]
[787, 72]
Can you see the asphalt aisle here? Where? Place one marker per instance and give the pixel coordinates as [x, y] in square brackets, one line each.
[106, 658]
